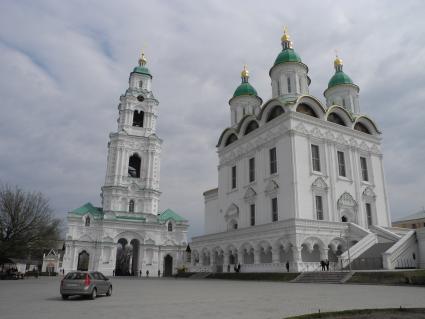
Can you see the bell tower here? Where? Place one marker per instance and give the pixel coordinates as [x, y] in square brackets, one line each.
[133, 164]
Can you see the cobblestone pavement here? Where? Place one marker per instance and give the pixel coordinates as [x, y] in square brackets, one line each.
[185, 298]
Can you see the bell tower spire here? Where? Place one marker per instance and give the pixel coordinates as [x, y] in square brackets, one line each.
[132, 176]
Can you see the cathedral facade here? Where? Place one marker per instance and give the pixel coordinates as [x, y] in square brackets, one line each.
[299, 181]
[128, 235]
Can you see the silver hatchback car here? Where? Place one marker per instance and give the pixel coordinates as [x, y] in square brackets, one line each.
[85, 283]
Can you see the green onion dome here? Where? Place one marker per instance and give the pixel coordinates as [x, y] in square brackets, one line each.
[339, 77]
[141, 68]
[245, 88]
[287, 54]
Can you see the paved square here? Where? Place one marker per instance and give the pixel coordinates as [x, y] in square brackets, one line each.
[186, 298]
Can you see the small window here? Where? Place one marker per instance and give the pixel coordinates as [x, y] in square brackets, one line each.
[315, 157]
[170, 226]
[131, 206]
[87, 221]
[319, 208]
[274, 210]
[369, 214]
[288, 80]
[235, 226]
[234, 177]
[363, 166]
[273, 160]
[140, 84]
[341, 164]
[252, 214]
[251, 169]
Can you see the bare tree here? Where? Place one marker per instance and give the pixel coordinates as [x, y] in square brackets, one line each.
[27, 225]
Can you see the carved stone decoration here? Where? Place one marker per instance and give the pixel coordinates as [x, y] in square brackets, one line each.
[231, 213]
[341, 140]
[250, 195]
[272, 188]
[346, 200]
[364, 146]
[316, 132]
[353, 142]
[368, 193]
[329, 135]
[347, 208]
[301, 128]
[319, 184]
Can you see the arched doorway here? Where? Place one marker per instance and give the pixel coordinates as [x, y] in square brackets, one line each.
[83, 261]
[127, 260]
[168, 266]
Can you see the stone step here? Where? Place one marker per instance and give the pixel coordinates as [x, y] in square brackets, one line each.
[200, 275]
[322, 277]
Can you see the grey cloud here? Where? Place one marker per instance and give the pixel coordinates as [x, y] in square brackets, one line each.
[64, 65]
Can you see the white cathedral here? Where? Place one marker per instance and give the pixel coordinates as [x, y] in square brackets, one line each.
[299, 181]
[127, 235]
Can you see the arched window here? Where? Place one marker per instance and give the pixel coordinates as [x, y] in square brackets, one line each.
[335, 118]
[306, 109]
[275, 112]
[232, 138]
[134, 166]
[253, 125]
[138, 117]
[140, 84]
[170, 226]
[361, 127]
[87, 221]
[131, 206]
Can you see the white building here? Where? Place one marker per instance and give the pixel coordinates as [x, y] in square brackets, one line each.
[299, 181]
[128, 235]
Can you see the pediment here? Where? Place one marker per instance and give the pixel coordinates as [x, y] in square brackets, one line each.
[232, 212]
[271, 188]
[250, 195]
[369, 193]
[319, 183]
[346, 200]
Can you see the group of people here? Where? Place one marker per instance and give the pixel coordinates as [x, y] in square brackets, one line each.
[325, 265]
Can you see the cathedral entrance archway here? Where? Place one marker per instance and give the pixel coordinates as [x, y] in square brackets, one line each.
[83, 261]
[168, 266]
[127, 260]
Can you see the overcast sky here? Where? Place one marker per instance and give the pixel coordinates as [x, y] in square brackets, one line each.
[64, 64]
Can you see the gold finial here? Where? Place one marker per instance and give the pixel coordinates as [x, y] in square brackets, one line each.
[285, 37]
[142, 60]
[245, 72]
[338, 61]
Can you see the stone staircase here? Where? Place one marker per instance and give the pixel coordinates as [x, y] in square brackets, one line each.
[323, 277]
[200, 275]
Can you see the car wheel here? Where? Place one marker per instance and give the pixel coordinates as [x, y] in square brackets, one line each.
[93, 294]
[109, 292]
[64, 297]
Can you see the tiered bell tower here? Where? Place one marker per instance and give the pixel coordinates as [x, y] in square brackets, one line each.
[133, 164]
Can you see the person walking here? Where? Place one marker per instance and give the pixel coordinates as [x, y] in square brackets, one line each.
[159, 273]
[147, 273]
[327, 264]
[322, 264]
[287, 266]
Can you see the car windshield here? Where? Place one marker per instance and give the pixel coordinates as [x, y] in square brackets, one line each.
[75, 276]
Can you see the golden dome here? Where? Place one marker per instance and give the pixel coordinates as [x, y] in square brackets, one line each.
[285, 37]
[337, 61]
[142, 60]
[245, 72]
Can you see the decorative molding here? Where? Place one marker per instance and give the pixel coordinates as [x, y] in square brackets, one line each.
[319, 184]
[250, 195]
[368, 193]
[231, 213]
[271, 188]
